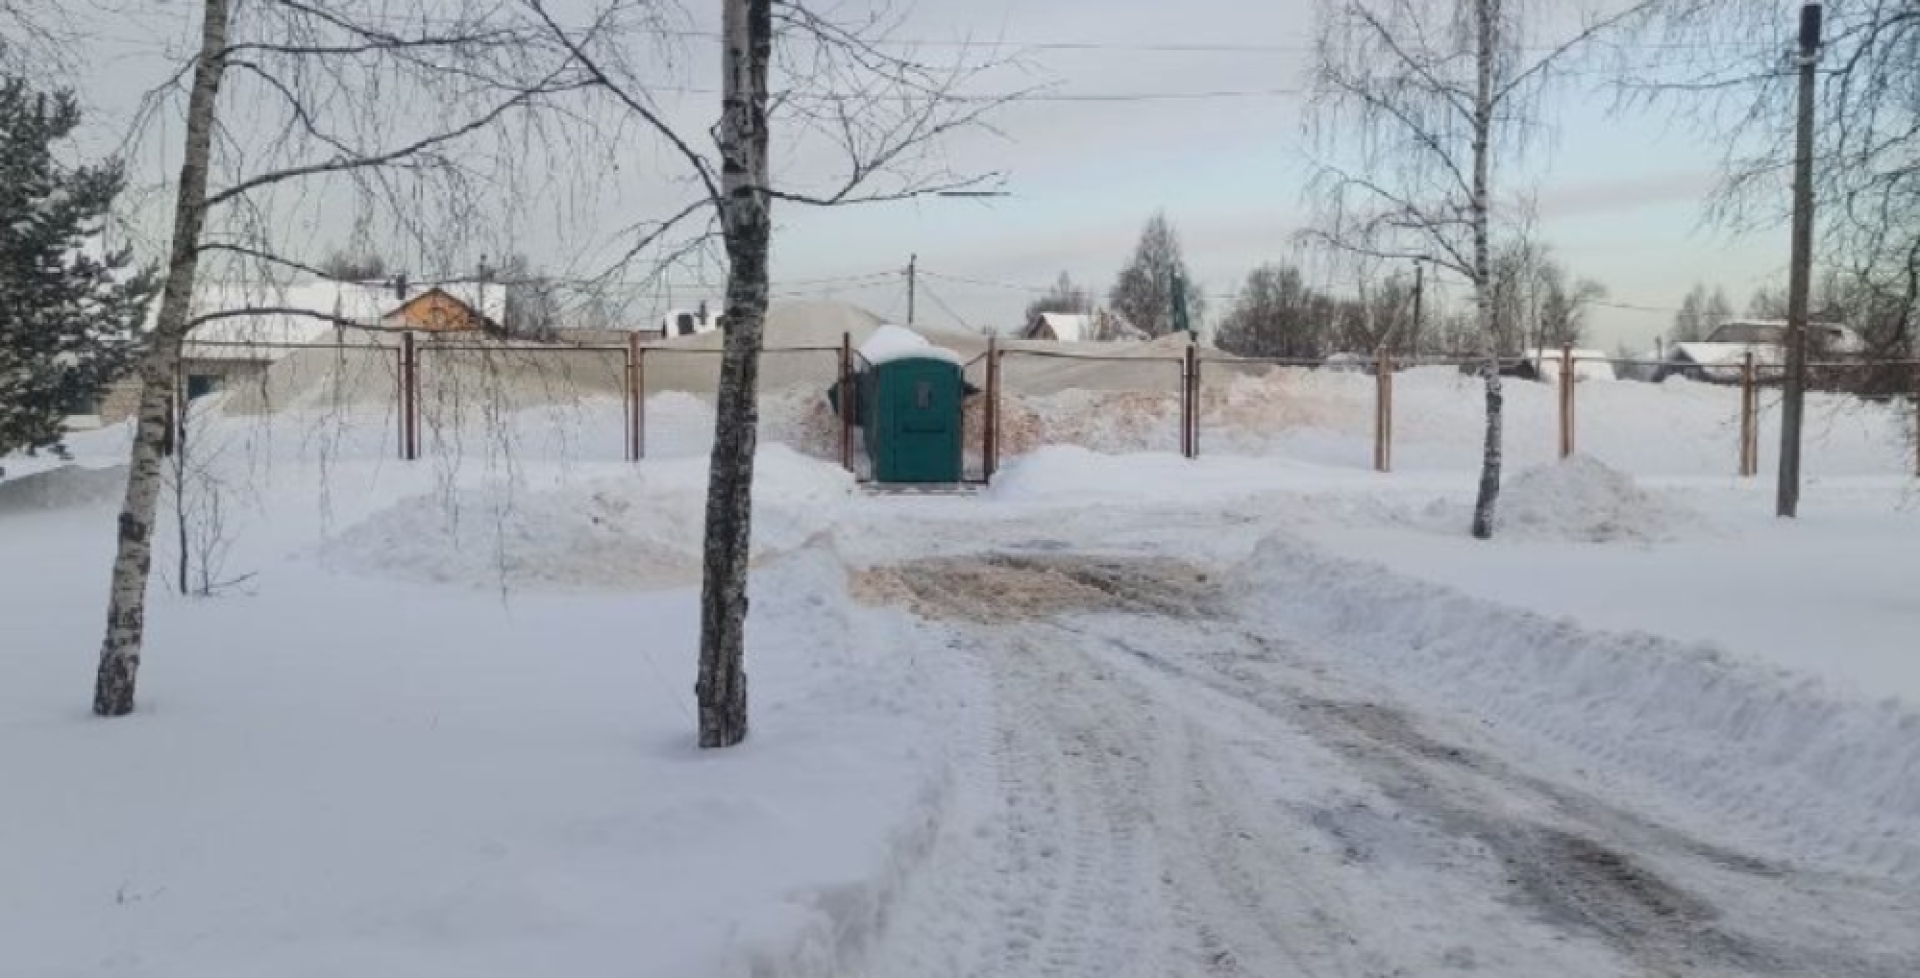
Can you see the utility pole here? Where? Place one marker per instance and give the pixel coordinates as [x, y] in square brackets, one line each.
[913, 273]
[1799, 281]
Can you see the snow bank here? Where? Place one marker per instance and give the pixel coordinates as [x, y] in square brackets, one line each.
[638, 531]
[1835, 778]
[346, 777]
[867, 674]
[66, 486]
[1578, 499]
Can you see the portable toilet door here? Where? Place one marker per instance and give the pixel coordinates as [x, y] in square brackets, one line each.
[914, 430]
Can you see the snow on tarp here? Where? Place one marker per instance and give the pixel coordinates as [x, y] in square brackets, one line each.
[890, 343]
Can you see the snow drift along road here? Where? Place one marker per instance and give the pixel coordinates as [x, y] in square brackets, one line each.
[637, 530]
[1824, 776]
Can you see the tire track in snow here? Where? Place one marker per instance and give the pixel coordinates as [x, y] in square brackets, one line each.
[1130, 843]
[1572, 857]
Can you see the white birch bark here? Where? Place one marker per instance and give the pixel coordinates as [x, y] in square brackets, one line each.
[746, 222]
[1486, 20]
[113, 693]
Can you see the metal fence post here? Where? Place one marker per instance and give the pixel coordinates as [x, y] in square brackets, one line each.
[410, 395]
[1389, 413]
[1749, 424]
[1193, 413]
[847, 400]
[1566, 400]
[1383, 410]
[177, 408]
[399, 400]
[1186, 403]
[636, 397]
[990, 413]
[1914, 397]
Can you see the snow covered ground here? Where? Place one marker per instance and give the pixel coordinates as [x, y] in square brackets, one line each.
[1265, 713]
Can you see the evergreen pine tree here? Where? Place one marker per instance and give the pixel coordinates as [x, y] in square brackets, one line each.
[70, 311]
[1143, 295]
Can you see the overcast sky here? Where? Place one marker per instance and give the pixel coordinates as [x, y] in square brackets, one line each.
[1619, 195]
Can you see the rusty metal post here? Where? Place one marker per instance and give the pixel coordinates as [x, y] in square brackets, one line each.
[410, 394]
[990, 412]
[998, 380]
[636, 398]
[399, 401]
[640, 401]
[847, 400]
[1566, 400]
[1389, 413]
[1193, 414]
[176, 412]
[1186, 408]
[1749, 426]
[1383, 410]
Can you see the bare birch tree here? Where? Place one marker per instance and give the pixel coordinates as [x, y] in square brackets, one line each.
[308, 99]
[1415, 102]
[877, 112]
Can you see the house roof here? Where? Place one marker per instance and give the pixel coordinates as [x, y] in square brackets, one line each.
[485, 299]
[298, 311]
[489, 299]
[1066, 327]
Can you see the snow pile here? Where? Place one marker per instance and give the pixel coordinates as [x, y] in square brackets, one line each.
[471, 788]
[68, 485]
[1841, 776]
[628, 532]
[1582, 499]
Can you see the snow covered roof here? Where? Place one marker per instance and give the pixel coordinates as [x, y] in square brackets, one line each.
[890, 343]
[1065, 327]
[296, 312]
[357, 303]
[489, 299]
[1587, 364]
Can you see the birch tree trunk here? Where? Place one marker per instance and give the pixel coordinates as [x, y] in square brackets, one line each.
[747, 223]
[113, 690]
[1486, 19]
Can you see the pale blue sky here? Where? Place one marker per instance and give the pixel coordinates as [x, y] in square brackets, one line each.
[1620, 195]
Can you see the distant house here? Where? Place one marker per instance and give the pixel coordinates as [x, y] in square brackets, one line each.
[1064, 327]
[689, 322]
[450, 308]
[1058, 327]
[253, 326]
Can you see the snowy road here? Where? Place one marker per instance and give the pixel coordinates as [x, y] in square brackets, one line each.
[1166, 787]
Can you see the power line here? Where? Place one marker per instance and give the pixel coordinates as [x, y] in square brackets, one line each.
[1204, 46]
[1012, 98]
[944, 307]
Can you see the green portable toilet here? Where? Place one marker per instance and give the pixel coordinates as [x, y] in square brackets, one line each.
[912, 419]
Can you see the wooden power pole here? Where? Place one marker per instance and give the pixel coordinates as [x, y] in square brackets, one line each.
[1800, 277]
